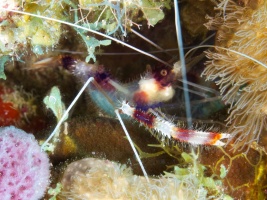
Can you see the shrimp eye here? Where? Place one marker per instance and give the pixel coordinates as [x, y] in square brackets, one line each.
[163, 72]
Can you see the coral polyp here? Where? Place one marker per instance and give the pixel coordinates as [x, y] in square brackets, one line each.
[242, 81]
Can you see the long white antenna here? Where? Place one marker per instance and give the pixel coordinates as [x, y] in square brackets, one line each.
[182, 61]
[132, 145]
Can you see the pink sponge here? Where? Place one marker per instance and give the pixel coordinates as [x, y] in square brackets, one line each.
[24, 169]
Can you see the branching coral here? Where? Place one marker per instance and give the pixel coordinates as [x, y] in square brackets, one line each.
[242, 81]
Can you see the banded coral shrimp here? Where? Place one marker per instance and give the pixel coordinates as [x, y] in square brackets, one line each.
[150, 119]
[80, 62]
[188, 112]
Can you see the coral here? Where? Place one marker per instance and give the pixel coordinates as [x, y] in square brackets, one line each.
[193, 17]
[92, 178]
[17, 33]
[3, 61]
[90, 135]
[54, 191]
[53, 101]
[24, 169]
[16, 105]
[114, 16]
[242, 80]
[10, 4]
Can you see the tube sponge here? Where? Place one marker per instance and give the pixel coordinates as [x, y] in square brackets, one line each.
[24, 169]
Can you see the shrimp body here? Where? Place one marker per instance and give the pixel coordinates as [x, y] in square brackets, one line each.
[150, 92]
[83, 71]
[153, 89]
